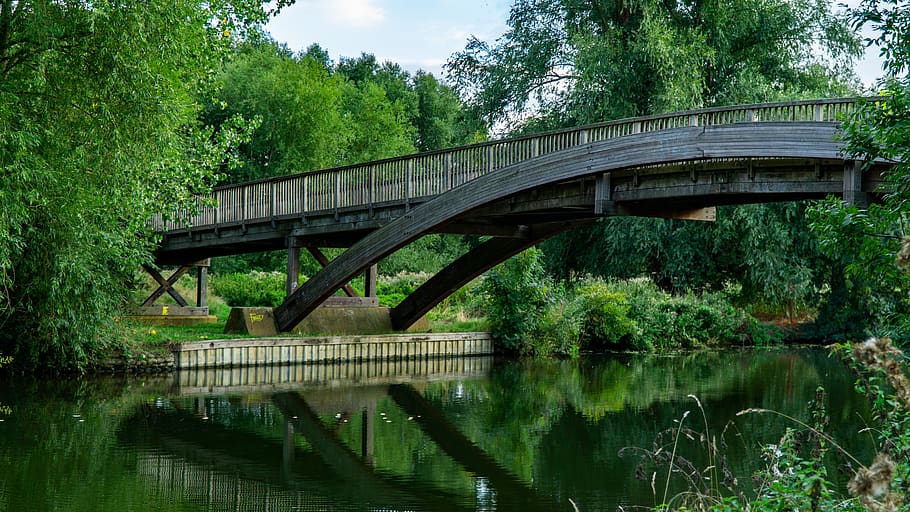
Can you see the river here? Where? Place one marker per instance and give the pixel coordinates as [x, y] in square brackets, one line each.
[457, 434]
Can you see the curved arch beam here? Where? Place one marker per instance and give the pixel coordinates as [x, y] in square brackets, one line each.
[472, 264]
[810, 140]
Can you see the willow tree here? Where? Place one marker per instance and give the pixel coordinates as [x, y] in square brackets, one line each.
[98, 131]
[577, 61]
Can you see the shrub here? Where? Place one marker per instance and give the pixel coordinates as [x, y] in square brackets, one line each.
[517, 293]
[666, 321]
[393, 289]
[263, 289]
[603, 314]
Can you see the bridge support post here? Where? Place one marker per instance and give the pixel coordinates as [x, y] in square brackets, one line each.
[293, 269]
[180, 313]
[370, 279]
[202, 283]
[288, 448]
[368, 418]
[603, 196]
[853, 184]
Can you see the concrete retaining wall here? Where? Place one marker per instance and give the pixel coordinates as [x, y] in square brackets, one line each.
[276, 351]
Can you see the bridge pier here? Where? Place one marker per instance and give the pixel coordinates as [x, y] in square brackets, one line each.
[180, 313]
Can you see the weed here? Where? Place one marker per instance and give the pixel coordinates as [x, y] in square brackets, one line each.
[795, 476]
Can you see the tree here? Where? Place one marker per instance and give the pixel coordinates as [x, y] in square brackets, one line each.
[98, 132]
[435, 112]
[865, 241]
[298, 105]
[571, 62]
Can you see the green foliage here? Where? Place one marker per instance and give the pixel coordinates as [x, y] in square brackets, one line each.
[663, 320]
[866, 294]
[99, 133]
[313, 115]
[864, 241]
[377, 127]
[572, 62]
[686, 256]
[393, 289]
[429, 253]
[518, 294]
[604, 313]
[298, 104]
[254, 289]
[530, 314]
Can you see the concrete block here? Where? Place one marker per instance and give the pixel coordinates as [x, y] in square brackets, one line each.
[255, 321]
[334, 320]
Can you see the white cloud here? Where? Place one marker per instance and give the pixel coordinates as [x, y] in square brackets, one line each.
[352, 13]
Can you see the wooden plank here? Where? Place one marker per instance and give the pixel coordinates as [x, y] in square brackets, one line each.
[370, 281]
[171, 310]
[293, 269]
[351, 302]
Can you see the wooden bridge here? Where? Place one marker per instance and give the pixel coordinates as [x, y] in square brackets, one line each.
[519, 192]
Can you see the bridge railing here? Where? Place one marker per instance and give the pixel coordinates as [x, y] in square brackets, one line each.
[428, 174]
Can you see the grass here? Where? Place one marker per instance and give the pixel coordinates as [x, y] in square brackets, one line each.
[158, 335]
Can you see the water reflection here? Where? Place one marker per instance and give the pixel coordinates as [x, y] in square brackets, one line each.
[457, 434]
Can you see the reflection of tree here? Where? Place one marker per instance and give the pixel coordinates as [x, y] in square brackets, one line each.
[560, 424]
[5, 409]
[60, 445]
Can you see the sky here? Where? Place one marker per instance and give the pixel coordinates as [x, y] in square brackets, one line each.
[416, 34]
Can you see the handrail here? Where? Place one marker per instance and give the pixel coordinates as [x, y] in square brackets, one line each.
[428, 174]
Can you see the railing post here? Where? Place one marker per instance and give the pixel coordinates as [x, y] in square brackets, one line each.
[819, 112]
[244, 207]
[272, 202]
[447, 173]
[583, 137]
[372, 186]
[337, 195]
[217, 210]
[293, 267]
[488, 154]
[750, 116]
[535, 147]
[305, 191]
[636, 127]
[407, 184]
[693, 120]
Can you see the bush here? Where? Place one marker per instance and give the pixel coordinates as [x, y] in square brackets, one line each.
[666, 321]
[262, 289]
[603, 314]
[518, 295]
[393, 289]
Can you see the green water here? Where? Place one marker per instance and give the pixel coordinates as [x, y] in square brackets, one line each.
[483, 435]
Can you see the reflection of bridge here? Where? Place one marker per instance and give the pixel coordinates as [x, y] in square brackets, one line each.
[521, 191]
[194, 456]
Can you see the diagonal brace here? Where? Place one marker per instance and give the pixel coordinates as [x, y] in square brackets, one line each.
[166, 285]
[323, 260]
